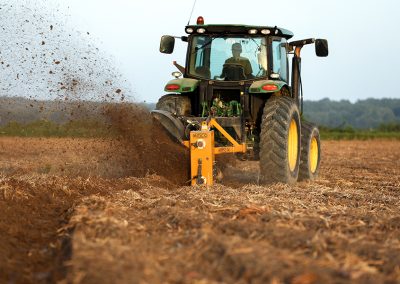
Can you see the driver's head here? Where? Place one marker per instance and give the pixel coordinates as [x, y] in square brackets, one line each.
[236, 49]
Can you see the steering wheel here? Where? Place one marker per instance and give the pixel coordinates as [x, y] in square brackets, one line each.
[233, 72]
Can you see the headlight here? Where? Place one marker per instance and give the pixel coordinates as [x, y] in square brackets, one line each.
[176, 74]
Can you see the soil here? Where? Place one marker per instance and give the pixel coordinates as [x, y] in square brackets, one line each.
[73, 211]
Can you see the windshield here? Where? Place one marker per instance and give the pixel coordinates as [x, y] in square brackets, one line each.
[228, 58]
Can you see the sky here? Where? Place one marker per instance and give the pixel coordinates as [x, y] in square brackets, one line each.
[362, 36]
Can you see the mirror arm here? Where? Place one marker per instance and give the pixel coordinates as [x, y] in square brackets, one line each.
[182, 38]
[302, 42]
[298, 44]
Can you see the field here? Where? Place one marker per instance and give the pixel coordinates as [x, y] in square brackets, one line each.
[97, 211]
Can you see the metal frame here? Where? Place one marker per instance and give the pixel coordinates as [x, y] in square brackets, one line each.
[202, 151]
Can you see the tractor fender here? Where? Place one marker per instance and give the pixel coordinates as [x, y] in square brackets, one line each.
[273, 86]
[182, 85]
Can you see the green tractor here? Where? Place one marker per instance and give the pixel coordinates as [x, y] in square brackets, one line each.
[239, 76]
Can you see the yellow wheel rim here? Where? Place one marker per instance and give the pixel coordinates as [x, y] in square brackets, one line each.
[313, 155]
[293, 145]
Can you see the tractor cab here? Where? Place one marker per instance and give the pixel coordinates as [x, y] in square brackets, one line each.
[236, 53]
[227, 60]
[233, 53]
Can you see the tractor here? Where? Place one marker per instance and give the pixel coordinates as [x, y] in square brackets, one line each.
[234, 95]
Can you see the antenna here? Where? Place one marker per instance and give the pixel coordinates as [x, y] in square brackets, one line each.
[191, 13]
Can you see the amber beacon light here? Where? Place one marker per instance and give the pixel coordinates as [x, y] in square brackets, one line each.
[200, 20]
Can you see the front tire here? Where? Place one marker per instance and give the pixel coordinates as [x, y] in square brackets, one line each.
[310, 152]
[280, 141]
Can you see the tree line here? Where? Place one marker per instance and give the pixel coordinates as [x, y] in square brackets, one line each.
[382, 114]
[379, 114]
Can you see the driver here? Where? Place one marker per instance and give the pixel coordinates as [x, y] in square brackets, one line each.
[236, 58]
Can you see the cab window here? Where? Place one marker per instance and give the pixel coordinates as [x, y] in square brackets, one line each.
[212, 57]
[279, 59]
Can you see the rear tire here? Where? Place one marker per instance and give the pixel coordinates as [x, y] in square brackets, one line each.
[310, 156]
[178, 105]
[280, 141]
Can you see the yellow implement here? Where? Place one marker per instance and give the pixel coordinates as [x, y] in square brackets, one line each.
[203, 151]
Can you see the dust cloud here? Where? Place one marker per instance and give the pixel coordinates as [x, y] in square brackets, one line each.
[67, 77]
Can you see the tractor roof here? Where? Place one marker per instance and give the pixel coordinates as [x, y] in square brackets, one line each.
[239, 30]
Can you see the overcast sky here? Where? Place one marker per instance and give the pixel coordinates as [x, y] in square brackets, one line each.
[362, 35]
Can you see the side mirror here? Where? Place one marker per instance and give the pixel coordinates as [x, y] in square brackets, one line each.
[321, 47]
[167, 44]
